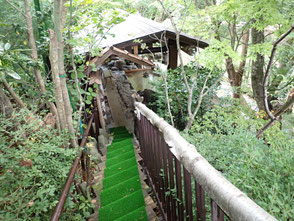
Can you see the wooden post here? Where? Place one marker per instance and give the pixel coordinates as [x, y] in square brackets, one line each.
[136, 50]
[96, 118]
[101, 118]
[173, 54]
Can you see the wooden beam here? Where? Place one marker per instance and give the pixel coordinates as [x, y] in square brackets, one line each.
[151, 38]
[121, 53]
[98, 60]
[153, 50]
[131, 57]
[137, 70]
[173, 54]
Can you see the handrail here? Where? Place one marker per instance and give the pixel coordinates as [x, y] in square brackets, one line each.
[228, 197]
[59, 207]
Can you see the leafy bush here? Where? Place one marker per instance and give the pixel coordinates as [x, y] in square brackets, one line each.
[33, 168]
[226, 137]
[178, 94]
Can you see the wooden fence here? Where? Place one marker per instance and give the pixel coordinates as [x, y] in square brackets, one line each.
[185, 185]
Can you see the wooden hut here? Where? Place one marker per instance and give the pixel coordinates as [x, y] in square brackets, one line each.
[139, 35]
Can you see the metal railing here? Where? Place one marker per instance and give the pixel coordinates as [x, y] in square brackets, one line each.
[185, 185]
[79, 159]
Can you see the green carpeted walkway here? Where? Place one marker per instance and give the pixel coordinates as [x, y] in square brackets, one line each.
[121, 198]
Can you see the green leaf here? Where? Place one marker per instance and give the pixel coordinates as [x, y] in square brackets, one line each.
[7, 46]
[88, 102]
[13, 74]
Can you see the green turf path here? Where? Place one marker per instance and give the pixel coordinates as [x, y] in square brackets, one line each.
[121, 198]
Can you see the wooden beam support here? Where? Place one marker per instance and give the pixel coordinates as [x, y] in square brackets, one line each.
[137, 70]
[173, 54]
[107, 52]
[136, 50]
[153, 50]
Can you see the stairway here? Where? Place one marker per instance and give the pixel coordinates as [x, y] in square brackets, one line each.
[121, 197]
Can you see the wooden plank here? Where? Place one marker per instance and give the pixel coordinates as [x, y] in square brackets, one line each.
[137, 70]
[188, 195]
[136, 50]
[131, 57]
[98, 60]
[153, 50]
[216, 213]
[180, 206]
[95, 77]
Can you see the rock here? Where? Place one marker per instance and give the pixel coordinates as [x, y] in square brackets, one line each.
[83, 187]
[101, 141]
[111, 63]
[105, 135]
[114, 69]
[119, 64]
[135, 142]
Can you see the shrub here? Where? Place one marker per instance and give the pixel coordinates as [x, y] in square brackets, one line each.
[33, 168]
[226, 137]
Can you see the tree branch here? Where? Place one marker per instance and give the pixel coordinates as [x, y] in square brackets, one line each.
[277, 115]
[267, 73]
[13, 94]
[16, 8]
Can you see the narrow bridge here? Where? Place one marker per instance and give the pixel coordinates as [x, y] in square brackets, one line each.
[184, 184]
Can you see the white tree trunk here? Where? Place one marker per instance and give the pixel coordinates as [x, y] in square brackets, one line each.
[59, 19]
[56, 79]
[34, 54]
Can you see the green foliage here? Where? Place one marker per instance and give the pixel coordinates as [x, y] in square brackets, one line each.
[282, 76]
[16, 67]
[91, 20]
[147, 8]
[177, 93]
[34, 165]
[226, 137]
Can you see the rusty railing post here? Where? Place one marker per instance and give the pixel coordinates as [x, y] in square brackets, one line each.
[96, 118]
[65, 190]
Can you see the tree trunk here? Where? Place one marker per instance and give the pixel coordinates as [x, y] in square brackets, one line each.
[41, 28]
[257, 74]
[13, 94]
[235, 77]
[56, 79]
[59, 20]
[34, 54]
[5, 105]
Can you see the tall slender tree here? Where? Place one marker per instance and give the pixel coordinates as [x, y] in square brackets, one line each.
[34, 54]
[59, 22]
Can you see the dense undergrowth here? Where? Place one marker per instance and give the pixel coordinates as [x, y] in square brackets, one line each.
[262, 168]
[34, 165]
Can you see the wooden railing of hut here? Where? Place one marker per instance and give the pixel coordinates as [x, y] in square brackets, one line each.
[185, 185]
